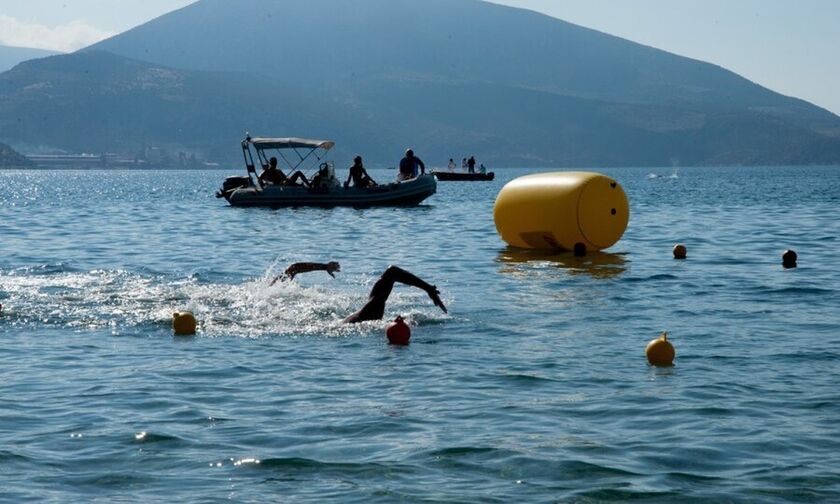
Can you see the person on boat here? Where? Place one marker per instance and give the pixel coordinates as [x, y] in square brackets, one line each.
[411, 167]
[471, 164]
[374, 309]
[464, 164]
[273, 175]
[359, 175]
[321, 179]
[482, 169]
[451, 165]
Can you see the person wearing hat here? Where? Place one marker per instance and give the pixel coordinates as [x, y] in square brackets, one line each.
[411, 167]
[359, 175]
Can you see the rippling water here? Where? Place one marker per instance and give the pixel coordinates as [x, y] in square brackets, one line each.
[534, 388]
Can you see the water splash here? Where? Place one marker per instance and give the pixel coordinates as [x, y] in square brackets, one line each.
[123, 301]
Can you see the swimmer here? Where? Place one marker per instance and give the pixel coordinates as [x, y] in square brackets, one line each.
[374, 309]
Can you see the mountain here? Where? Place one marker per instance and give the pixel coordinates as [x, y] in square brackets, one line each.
[451, 78]
[9, 158]
[11, 56]
[98, 102]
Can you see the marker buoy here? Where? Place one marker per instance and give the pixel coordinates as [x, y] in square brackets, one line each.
[660, 352]
[398, 332]
[569, 211]
[789, 258]
[183, 323]
[680, 252]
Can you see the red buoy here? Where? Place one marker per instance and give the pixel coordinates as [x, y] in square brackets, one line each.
[398, 332]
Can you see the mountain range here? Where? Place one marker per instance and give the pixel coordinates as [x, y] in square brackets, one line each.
[11, 56]
[451, 78]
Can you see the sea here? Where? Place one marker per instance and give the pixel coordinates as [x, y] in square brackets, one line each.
[534, 387]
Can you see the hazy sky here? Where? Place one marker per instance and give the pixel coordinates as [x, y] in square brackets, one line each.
[790, 46]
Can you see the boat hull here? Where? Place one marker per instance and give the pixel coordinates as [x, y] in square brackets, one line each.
[408, 193]
[463, 177]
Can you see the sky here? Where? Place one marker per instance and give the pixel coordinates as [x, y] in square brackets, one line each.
[789, 46]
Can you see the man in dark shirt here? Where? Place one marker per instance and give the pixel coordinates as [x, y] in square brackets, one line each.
[410, 165]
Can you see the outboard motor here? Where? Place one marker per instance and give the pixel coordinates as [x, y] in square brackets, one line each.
[231, 184]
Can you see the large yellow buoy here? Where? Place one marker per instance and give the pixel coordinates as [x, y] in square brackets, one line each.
[183, 323]
[562, 210]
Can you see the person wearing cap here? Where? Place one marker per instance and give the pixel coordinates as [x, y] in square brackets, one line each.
[359, 175]
[411, 167]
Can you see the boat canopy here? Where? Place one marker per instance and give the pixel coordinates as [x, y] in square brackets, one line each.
[291, 143]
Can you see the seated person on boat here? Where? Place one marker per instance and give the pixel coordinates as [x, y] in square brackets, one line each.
[273, 175]
[411, 167]
[359, 175]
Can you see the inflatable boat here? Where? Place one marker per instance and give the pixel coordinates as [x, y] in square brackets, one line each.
[324, 190]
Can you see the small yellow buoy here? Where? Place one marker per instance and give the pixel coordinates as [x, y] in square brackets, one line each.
[660, 352]
[183, 323]
[680, 251]
[572, 211]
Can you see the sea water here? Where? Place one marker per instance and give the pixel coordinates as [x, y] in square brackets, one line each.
[533, 388]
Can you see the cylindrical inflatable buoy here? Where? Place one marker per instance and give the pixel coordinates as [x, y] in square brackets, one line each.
[398, 332]
[183, 323]
[561, 210]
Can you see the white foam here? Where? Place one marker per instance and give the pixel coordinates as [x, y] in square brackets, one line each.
[123, 300]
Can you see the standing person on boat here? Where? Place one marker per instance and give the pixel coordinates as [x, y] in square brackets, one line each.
[359, 175]
[451, 165]
[464, 164]
[409, 166]
[374, 309]
[273, 175]
[471, 164]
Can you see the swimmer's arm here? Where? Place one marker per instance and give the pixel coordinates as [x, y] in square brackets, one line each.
[298, 268]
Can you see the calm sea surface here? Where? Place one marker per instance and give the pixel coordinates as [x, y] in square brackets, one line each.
[534, 388]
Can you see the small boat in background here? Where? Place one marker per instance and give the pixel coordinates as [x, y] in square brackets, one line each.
[250, 191]
[447, 176]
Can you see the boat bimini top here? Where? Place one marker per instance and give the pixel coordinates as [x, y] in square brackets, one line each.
[295, 152]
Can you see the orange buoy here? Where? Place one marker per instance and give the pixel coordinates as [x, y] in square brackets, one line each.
[398, 332]
[680, 251]
[183, 323]
[660, 352]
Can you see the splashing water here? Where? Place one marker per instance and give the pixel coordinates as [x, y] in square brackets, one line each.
[124, 301]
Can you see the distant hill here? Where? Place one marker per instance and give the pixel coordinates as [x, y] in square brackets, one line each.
[11, 56]
[9, 158]
[450, 78]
